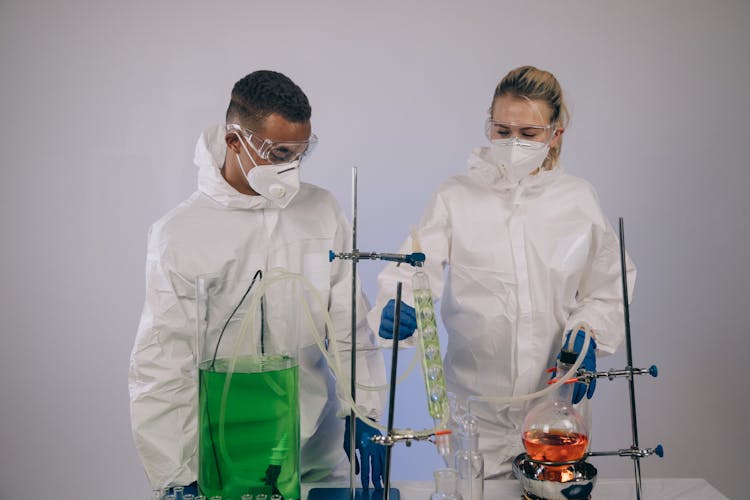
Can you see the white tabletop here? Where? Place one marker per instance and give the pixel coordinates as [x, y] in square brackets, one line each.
[609, 489]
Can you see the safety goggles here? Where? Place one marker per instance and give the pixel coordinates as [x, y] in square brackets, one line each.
[527, 136]
[276, 152]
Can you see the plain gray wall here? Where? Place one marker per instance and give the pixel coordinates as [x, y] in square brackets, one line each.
[101, 103]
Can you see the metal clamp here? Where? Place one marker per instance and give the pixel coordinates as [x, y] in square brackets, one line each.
[631, 452]
[587, 376]
[406, 435]
[413, 259]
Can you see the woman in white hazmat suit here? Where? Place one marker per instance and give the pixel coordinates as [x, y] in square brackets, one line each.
[527, 254]
[232, 226]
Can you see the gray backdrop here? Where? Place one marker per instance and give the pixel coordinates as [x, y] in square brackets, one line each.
[101, 104]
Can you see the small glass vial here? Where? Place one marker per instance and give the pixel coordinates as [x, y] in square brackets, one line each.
[469, 462]
[445, 485]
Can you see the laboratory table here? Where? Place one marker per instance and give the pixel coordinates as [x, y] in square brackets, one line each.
[609, 489]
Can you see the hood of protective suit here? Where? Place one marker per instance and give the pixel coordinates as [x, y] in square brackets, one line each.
[210, 152]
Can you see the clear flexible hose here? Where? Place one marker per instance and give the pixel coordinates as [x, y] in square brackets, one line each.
[551, 387]
[277, 275]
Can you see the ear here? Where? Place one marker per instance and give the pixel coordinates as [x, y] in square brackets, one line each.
[233, 142]
[557, 137]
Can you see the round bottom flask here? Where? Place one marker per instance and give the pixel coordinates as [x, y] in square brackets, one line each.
[556, 438]
[555, 433]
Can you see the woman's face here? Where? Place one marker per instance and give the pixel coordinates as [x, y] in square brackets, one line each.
[522, 118]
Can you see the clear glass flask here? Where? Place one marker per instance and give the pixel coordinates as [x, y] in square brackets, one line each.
[248, 421]
[556, 432]
[469, 462]
[446, 487]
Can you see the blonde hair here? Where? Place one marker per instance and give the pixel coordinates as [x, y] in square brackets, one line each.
[530, 83]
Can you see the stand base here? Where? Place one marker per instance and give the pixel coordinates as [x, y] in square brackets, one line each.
[345, 494]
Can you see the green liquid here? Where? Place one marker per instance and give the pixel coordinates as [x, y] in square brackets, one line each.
[260, 449]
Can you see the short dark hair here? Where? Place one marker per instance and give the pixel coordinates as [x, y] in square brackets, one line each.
[262, 93]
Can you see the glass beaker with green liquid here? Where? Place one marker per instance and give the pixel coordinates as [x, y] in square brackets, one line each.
[248, 421]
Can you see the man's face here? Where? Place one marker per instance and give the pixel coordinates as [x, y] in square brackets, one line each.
[270, 143]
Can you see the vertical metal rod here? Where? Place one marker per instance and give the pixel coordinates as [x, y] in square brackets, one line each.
[392, 395]
[353, 374]
[626, 310]
[637, 472]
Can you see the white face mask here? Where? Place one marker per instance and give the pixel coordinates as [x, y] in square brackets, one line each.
[516, 160]
[278, 183]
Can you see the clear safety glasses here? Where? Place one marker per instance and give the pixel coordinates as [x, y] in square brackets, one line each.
[526, 136]
[276, 152]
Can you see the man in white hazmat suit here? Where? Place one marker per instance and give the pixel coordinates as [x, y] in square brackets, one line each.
[519, 253]
[250, 213]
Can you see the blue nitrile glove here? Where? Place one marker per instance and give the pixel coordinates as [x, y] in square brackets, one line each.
[407, 320]
[372, 454]
[588, 364]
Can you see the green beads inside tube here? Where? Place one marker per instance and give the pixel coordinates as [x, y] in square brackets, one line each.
[429, 342]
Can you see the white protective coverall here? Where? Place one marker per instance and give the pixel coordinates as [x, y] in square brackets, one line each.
[525, 263]
[221, 232]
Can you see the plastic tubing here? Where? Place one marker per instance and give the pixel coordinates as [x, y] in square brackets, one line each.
[550, 388]
[334, 361]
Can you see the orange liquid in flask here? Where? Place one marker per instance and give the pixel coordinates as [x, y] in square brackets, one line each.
[555, 445]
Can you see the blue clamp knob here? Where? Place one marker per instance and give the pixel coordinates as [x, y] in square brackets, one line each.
[331, 255]
[659, 450]
[415, 259]
[653, 371]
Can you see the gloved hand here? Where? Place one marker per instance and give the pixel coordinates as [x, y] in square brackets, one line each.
[407, 321]
[372, 454]
[589, 363]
